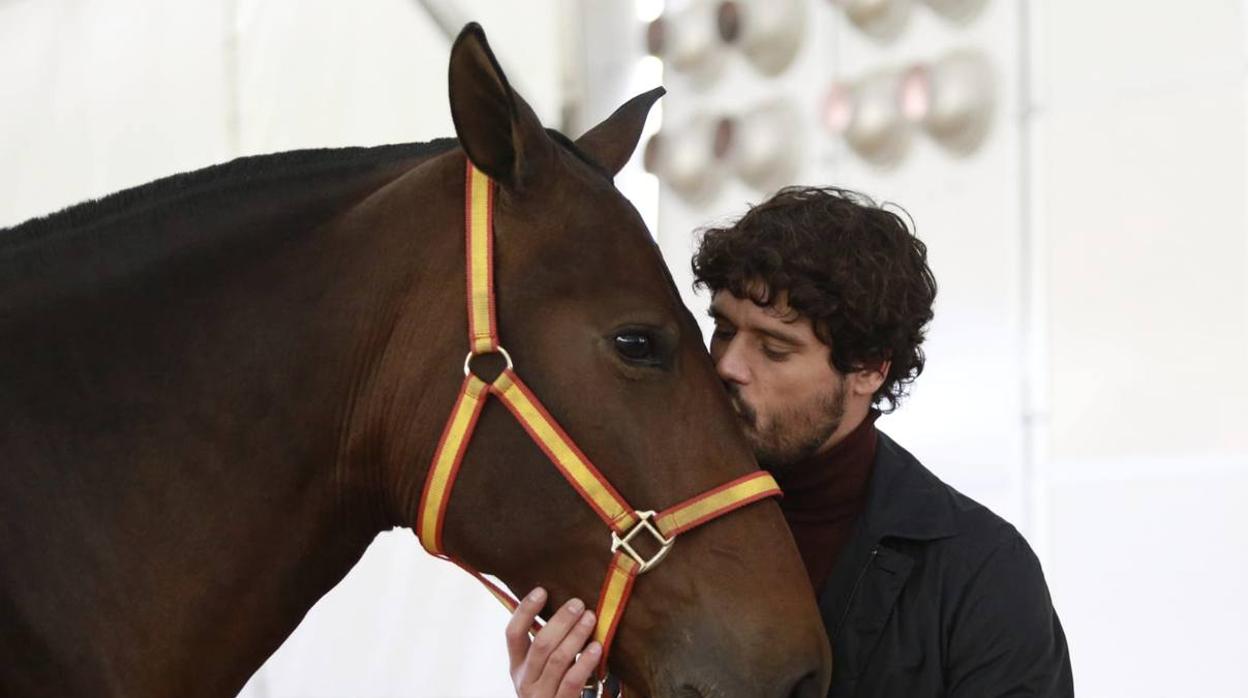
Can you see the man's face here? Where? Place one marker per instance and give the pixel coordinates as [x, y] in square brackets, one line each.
[783, 386]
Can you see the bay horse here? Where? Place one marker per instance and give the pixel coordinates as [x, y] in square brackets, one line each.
[217, 388]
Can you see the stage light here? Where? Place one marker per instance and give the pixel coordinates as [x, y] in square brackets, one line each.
[915, 93]
[952, 99]
[769, 32]
[688, 159]
[688, 40]
[837, 108]
[960, 11]
[882, 19]
[762, 145]
[648, 10]
[877, 131]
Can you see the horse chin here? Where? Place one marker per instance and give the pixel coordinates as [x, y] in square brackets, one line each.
[692, 690]
[680, 691]
[664, 685]
[805, 689]
[689, 691]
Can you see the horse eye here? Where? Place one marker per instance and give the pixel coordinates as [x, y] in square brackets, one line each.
[635, 347]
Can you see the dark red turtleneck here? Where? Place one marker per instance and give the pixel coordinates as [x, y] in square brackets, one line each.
[824, 494]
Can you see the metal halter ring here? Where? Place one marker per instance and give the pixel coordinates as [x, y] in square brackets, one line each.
[499, 350]
[593, 689]
[608, 687]
[643, 523]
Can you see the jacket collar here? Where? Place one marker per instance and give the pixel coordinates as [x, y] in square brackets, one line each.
[904, 499]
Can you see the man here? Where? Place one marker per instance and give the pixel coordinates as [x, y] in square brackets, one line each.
[821, 301]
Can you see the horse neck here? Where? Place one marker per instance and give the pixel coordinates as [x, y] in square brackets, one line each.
[175, 482]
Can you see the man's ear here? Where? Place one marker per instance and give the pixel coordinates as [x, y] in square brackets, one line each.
[868, 379]
[496, 127]
[612, 142]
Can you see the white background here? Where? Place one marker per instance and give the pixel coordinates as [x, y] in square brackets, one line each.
[1084, 369]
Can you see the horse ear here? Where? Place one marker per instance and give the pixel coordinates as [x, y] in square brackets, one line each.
[611, 143]
[497, 129]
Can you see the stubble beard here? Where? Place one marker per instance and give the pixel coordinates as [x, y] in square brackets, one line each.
[793, 433]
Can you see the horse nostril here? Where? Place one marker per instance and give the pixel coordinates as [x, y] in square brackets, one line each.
[806, 687]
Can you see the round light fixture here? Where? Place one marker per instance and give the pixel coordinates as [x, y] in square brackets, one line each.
[959, 11]
[952, 99]
[688, 40]
[762, 145]
[837, 108]
[688, 159]
[882, 19]
[877, 131]
[769, 32]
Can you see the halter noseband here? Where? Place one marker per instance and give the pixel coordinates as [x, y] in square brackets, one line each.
[626, 523]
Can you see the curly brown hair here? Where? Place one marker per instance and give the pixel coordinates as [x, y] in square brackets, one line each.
[853, 268]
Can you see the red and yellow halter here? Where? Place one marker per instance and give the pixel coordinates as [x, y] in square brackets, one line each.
[625, 522]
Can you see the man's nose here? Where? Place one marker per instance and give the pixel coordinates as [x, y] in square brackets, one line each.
[731, 365]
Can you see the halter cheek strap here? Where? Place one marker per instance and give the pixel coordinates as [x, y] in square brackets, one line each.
[626, 523]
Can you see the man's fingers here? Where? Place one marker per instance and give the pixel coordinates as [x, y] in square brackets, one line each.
[574, 680]
[562, 657]
[549, 638]
[518, 627]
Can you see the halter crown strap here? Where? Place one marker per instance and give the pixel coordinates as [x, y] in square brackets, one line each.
[625, 522]
[479, 217]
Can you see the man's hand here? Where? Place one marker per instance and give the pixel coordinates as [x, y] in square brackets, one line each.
[549, 667]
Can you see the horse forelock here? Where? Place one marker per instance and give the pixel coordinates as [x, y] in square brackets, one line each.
[571, 146]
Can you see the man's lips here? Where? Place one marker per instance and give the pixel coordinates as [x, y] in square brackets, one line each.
[746, 413]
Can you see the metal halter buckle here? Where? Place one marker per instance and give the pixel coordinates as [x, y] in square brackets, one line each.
[643, 523]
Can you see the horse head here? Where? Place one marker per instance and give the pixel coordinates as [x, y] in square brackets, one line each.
[591, 320]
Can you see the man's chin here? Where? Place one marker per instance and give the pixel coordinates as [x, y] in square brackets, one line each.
[766, 456]
[773, 458]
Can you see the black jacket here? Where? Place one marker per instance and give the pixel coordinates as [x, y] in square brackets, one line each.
[935, 595]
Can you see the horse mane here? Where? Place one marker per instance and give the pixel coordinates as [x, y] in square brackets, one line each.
[250, 171]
